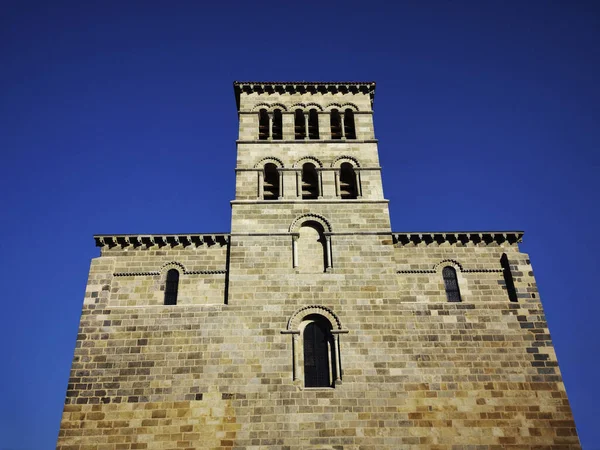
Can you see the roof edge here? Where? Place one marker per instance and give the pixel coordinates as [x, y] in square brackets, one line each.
[366, 87]
[486, 237]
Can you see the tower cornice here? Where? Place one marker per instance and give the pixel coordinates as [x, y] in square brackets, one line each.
[292, 87]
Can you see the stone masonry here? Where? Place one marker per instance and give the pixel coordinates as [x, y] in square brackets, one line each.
[311, 324]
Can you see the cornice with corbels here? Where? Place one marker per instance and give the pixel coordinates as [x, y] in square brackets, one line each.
[146, 241]
[311, 87]
[454, 237]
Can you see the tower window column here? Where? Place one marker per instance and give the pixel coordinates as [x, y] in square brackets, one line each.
[270, 125]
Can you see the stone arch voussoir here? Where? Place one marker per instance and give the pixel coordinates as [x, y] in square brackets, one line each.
[269, 106]
[269, 159]
[331, 106]
[337, 162]
[448, 262]
[172, 265]
[349, 105]
[298, 164]
[296, 319]
[296, 106]
[298, 221]
[310, 106]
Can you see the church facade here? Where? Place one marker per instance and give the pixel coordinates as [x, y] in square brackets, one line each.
[312, 324]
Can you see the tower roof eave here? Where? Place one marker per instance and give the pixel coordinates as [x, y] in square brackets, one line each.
[366, 87]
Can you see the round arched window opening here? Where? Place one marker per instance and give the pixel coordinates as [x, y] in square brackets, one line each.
[318, 352]
[310, 181]
[347, 181]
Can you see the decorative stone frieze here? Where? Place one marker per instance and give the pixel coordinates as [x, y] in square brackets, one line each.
[168, 240]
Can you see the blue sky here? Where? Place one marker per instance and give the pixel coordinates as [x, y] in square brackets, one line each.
[119, 117]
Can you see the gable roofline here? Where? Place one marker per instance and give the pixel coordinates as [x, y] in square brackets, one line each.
[366, 87]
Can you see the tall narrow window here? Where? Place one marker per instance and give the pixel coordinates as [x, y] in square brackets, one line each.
[299, 125]
[508, 278]
[349, 130]
[317, 351]
[271, 182]
[277, 125]
[171, 287]
[310, 181]
[347, 181]
[336, 124]
[313, 124]
[451, 284]
[263, 125]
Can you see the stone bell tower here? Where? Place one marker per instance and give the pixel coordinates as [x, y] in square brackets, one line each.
[307, 153]
[310, 227]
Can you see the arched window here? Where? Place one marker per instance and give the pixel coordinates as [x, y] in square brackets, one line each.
[451, 284]
[277, 125]
[299, 125]
[319, 354]
[311, 248]
[310, 181]
[347, 181]
[336, 124]
[313, 124]
[263, 125]
[315, 331]
[171, 287]
[271, 182]
[349, 130]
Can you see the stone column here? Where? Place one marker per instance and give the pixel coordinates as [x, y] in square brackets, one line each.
[306, 126]
[319, 183]
[270, 115]
[294, 250]
[280, 175]
[328, 264]
[338, 365]
[261, 183]
[298, 183]
[295, 348]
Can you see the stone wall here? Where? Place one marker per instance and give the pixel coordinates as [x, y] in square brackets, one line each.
[225, 367]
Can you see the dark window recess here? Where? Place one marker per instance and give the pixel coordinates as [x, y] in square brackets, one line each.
[508, 278]
[171, 287]
[299, 125]
[277, 125]
[310, 179]
[313, 124]
[316, 356]
[263, 125]
[271, 182]
[451, 284]
[336, 124]
[347, 181]
[349, 130]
